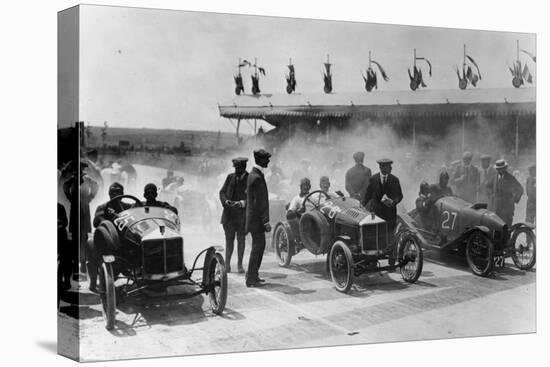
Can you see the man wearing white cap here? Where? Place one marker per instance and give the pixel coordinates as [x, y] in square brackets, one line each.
[505, 192]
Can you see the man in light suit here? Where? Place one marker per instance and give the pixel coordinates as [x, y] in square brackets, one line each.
[486, 174]
[257, 215]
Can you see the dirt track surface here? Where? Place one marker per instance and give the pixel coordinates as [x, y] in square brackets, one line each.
[299, 307]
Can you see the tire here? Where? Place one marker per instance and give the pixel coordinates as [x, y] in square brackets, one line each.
[282, 246]
[103, 243]
[113, 232]
[108, 294]
[412, 257]
[480, 253]
[289, 89]
[341, 266]
[217, 292]
[315, 232]
[462, 84]
[524, 252]
[413, 85]
[516, 82]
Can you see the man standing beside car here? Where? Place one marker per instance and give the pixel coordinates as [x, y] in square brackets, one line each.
[233, 200]
[383, 195]
[257, 215]
[505, 191]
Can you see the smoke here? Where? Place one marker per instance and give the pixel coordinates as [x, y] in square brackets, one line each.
[318, 151]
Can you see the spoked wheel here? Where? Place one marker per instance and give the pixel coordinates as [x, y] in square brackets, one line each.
[218, 284]
[479, 253]
[524, 254]
[282, 246]
[108, 294]
[411, 258]
[341, 266]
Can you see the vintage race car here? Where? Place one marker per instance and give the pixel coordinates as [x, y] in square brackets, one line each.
[354, 239]
[143, 246]
[455, 224]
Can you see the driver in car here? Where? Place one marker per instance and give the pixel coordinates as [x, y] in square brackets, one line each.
[295, 208]
[150, 193]
[103, 213]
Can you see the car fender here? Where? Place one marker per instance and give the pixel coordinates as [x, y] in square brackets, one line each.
[210, 252]
[483, 229]
[521, 224]
[288, 229]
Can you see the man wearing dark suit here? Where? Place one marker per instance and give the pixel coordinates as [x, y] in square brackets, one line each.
[357, 177]
[382, 196]
[233, 199]
[505, 191]
[257, 215]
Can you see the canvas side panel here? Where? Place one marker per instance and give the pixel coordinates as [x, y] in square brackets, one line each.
[68, 182]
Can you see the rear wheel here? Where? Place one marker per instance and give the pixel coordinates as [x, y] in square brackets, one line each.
[341, 266]
[479, 253]
[108, 294]
[524, 252]
[282, 246]
[217, 292]
[411, 257]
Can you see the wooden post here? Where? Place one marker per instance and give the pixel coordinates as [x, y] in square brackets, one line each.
[238, 127]
[414, 134]
[517, 135]
[463, 134]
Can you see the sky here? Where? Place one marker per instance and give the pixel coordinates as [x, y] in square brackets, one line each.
[170, 69]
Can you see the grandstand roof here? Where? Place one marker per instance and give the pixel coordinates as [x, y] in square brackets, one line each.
[274, 108]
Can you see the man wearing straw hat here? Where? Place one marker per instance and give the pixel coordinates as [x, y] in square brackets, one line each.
[505, 192]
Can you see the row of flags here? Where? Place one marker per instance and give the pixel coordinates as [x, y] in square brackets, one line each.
[468, 74]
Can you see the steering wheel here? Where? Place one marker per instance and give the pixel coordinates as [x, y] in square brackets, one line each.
[115, 203]
[310, 200]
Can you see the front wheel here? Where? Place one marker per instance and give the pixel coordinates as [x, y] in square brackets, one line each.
[341, 266]
[108, 294]
[411, 258]
[524, 251]
[479, 253]
[218, 284]
[282, 246]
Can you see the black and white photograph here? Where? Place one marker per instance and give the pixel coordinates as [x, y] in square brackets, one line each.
[237, 183]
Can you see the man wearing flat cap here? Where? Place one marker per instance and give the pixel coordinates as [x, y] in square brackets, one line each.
[531, 190]
[486, 174]
[257, 215]
[357, 177]
[383, 194]
[465, 179]
[505, 191]
[233, 200]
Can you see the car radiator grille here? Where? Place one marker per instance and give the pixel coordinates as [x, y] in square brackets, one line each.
[374, 236]
[162, 256]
